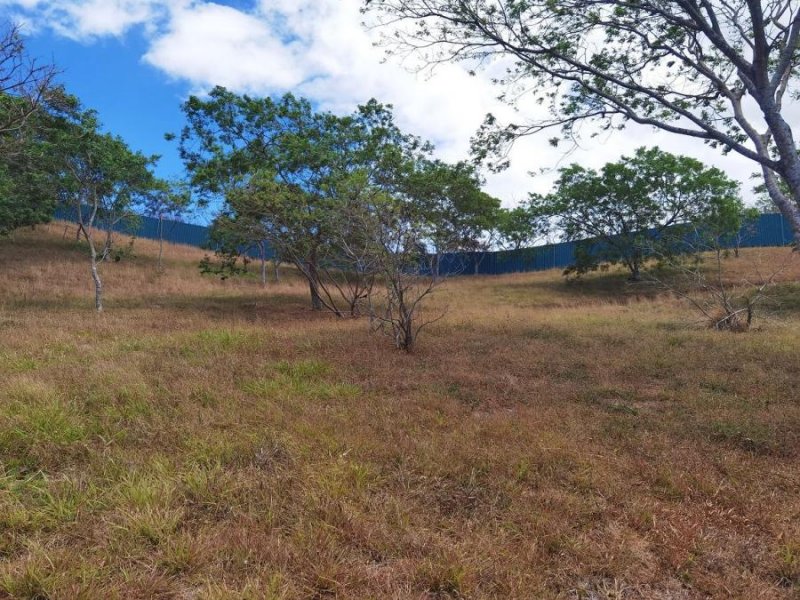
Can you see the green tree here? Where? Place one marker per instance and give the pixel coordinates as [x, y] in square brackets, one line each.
[102, 180]
[289, 169]
[637, 206]
[717, 71]
[521, 226]
[455, 213]
[457, 210]
[167, 200]
[30, 107]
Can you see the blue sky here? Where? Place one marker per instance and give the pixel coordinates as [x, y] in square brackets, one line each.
[134, 100]
[135, 61]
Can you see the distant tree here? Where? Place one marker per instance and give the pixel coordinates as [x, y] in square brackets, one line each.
[457, 214]
[712, 70]
[521, 226]
[765, 206]
[103, 179]
[726, 224]
[234, 234]
[168, 200]
[651, 199]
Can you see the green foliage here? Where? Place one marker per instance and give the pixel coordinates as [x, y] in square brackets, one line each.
[288, 175]
[641, 205]
[29, 109]
[521, 226]
[456, 212]
[103, 179]
[29, 165]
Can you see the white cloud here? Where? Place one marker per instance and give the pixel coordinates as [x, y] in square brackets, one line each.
[210, 44]
[88, 19]
[319, 49]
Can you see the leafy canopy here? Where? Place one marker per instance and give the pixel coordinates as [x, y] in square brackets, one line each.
[639, 203]
[720, 71]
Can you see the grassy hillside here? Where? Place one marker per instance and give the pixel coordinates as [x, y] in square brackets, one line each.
[210, 439]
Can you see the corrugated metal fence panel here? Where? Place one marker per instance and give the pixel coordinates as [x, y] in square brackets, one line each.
[768, 230]
[175, 232]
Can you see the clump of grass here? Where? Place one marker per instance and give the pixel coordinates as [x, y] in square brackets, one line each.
[442, 579]
[38, 424]
[789, 564]
[32, 581]
[744, 435]
[304, 370]
[211, 342]
[11, 363]
[301, 380]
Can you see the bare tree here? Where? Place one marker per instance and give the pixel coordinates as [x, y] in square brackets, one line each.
[24, 82]
[699, 277]
[714, 70]
[391, 246]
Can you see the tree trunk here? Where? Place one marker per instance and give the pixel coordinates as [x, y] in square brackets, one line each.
[636, 274]
[160, 242]
[313, 281]
[98, 284]
[789, 167]
[276, 269]
[316, 301]
[788, 207]
[262, 252]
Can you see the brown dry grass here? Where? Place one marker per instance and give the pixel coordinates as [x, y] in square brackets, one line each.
[207, 439]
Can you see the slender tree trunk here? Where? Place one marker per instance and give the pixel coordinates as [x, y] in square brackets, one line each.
[160, 242]
[313, 281]
[276, 270]
[316, 301]
[262, 252]
[109, 242]
[98, 284]
[636, 274]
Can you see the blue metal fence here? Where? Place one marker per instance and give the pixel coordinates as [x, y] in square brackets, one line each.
[768, 230]
[175, 232]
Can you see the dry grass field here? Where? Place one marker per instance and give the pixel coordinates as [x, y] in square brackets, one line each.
[211, 439]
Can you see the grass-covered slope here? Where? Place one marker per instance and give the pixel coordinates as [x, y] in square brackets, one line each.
[208, 439]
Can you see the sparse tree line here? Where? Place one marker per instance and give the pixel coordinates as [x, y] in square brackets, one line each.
[364, 211]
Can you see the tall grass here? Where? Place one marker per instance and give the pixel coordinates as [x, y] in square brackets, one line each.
[210, 439]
